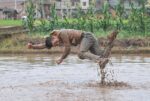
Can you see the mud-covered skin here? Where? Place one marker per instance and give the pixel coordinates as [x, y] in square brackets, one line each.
[106, 54]
[67, 38]
[86, 41]
[89, 48]
[88, 44]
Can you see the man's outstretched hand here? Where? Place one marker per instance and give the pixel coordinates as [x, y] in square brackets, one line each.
[59, 61]
[30, 45]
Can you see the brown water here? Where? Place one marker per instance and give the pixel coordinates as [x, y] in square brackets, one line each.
[38, 78]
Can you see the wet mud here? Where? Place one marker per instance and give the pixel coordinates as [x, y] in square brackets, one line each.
[38, 78]
[136, 42]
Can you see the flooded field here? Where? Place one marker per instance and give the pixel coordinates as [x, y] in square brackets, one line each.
[38, 78]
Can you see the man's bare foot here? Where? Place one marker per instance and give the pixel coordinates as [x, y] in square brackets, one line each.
[112, 36]
[30, 45]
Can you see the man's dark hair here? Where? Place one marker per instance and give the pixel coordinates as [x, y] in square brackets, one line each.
[48, 42]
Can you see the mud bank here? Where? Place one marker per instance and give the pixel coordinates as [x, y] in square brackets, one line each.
[10, 29]
[136, 42]
[17, 44]
[142, 50]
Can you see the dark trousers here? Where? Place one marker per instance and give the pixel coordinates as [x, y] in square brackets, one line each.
[89, 47]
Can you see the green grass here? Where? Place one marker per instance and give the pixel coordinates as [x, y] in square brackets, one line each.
[97, 33]
[10, 23]
[97, 30]
[122, 34]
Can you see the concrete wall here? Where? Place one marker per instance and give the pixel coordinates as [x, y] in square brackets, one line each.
[11, 4]
[84, 4]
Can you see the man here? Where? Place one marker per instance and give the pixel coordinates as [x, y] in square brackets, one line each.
[68, 37]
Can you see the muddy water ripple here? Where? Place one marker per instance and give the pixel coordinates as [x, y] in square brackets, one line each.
[38, 78]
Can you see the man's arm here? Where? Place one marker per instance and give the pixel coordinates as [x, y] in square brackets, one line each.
[36, 46]
[66, 42]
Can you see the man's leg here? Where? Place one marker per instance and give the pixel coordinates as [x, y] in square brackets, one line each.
[90, 43]
[96, 49]
[107, 49]
[103, 54]
[110, 44]
[85, 45]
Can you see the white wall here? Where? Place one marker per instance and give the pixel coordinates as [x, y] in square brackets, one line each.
[87, 4]
[113, 2]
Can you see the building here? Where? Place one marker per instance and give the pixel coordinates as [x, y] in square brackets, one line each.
[12, 6]
[66, 7]
[63, 7]
[114, 3]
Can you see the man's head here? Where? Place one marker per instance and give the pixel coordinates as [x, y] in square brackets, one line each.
[48, 42]
[54, 36]
[53, 40]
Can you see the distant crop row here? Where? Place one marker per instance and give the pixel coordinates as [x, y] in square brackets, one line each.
[136, 22]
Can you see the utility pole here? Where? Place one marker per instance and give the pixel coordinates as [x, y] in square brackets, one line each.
[61, 7]
[15, 4]
[42, 3]
[42, 6]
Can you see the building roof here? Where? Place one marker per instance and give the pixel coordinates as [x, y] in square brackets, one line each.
[10, 0]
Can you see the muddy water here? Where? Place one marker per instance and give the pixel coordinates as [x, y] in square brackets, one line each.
[38, 78]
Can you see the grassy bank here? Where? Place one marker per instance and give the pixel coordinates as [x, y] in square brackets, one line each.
[18, 45]
[43, 27]
[10, 23]
[94, 25]
[123, 34]
[56, 50]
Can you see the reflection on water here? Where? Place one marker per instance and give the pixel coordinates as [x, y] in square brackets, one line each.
[38, 78]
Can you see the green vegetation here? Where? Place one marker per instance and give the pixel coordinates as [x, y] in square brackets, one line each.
[29, 22]
[19, 42]
[10, 22]
[134, 24]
